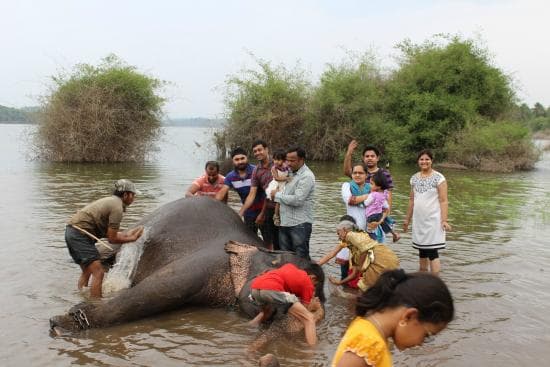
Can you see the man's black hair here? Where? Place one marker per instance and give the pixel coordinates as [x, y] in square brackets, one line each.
[373, 148]
[212, 164]
[237, 151]
[259, 142]
[300, 152]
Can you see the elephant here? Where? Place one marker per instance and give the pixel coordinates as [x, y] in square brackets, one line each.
[197, 252]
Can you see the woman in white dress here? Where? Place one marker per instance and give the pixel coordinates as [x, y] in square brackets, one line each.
[428, 208]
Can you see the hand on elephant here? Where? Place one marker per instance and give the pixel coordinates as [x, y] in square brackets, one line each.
[136, 232]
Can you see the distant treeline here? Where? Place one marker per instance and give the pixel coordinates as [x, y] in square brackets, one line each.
[194, 122]
[537, 118]
[16, 115]
[26, 115]
[445, 94]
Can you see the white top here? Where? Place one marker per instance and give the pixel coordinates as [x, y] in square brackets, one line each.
[427, 231]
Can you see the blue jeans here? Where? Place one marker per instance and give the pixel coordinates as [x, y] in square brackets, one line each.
[296, 239]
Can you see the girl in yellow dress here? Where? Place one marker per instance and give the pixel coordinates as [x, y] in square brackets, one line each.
[409, 308]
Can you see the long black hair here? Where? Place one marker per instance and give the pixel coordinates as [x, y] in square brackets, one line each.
[423, 291]
[316, 269]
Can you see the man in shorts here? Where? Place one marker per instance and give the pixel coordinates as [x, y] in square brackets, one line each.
[99, 219]
[288, 289]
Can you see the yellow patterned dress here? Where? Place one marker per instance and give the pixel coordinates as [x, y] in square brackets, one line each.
[363, 339]
[371, 257]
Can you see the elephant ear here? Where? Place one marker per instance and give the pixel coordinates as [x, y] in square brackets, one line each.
[240, 256]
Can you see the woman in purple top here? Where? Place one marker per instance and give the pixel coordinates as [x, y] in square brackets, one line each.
[376, 206]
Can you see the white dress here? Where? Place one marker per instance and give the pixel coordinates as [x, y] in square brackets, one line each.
[427, 232]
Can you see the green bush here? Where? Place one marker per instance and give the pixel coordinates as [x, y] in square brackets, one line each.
[345, 105]
[440, 86]
[105, 113]
[269, 103]
[493, 146]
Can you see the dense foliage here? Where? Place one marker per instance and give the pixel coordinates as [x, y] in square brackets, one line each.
[104, 113]
[439, 88]
[345, 105]
[493, 146]
[440, 92]
[268, 104]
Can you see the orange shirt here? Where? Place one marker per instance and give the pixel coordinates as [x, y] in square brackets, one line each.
[206, 188]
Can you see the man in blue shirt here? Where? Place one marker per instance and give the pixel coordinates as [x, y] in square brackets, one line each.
[240, 180]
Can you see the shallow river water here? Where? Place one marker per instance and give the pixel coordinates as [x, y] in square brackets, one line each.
[495, 265]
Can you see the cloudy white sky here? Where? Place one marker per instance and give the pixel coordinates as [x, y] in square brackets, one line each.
[197, 44]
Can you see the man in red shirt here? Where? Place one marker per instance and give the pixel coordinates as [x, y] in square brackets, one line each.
[288, 289]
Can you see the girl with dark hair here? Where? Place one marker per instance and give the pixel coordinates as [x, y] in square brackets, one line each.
[409, 308]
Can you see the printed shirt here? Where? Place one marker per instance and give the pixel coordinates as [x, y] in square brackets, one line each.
[386, 173]
[242, 186]
[261, 177]
[206, 188]
[100, 215]
[363, 339]
[297, 198]
[287, 278]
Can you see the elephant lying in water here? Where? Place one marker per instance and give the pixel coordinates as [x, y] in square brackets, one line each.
[192, 256]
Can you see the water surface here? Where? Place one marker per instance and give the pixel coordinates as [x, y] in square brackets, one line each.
[495, 264]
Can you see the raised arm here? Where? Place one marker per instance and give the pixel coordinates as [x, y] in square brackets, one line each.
[347, 158]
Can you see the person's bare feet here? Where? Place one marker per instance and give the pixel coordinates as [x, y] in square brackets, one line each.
[396, 236]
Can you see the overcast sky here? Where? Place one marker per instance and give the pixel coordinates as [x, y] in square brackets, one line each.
[197, 44]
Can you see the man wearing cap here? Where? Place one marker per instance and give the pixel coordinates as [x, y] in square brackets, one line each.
[99, 219]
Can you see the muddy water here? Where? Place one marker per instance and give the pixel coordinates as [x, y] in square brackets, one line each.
[495, 264]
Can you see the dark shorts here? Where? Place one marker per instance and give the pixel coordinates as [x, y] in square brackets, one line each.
[432, 254]
[270, 232]
[264, 230]
[279, 301]
[81, 247]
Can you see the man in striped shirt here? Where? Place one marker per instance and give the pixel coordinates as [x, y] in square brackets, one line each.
[240, 180]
